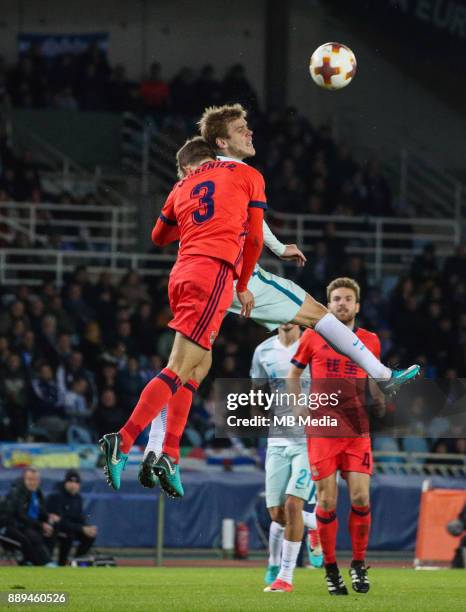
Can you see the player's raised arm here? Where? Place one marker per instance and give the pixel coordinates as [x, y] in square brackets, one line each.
[166, 229]
[287, 252]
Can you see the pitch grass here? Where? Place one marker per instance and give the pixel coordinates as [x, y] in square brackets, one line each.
[193, 590]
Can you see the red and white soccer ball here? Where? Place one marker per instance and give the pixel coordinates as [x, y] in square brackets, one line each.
[332, 66]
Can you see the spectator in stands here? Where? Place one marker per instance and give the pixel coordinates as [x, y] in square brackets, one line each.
[107, 375]
[119, 92]
[78, 412]
[67, 503]
[236, 88]
[74, 303]
[65, 323]
[30, 523]
[47, 409]
[155, 92]
[16, 311]
[73, 370]
[63, 347]
[152, 368]
[29, 352]
[132, 289]
[378, 190]
[183, 92]
[14, 388]
[144, 329]
[36, 313]
[47, 339]
[424, 267]
[109, 413]
[208, 89]
[129, 384]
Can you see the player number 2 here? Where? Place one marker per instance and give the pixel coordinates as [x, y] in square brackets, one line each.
[204, 192]
[302, 477]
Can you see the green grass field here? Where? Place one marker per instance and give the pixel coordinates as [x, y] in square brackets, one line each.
[223, 590]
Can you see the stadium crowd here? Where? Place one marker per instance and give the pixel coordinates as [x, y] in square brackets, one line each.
[306, 171]
[73, 362]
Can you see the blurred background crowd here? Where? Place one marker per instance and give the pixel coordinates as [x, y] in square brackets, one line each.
[73, 361]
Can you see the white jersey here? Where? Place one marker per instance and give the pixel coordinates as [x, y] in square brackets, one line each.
[272, 361]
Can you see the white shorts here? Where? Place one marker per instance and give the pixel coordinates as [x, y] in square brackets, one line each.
[276, 299]
[287, 472]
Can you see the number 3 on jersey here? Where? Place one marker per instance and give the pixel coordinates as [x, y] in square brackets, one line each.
[204, 192]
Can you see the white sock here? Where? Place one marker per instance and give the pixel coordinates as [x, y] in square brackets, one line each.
[157, 433]
[290, 552]
[275, 543]
[309, 519]
[345, 341]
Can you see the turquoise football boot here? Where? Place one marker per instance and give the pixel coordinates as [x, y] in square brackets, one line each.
[398, 379]
[271, 574]
[115, 460]
[168, 474]
[146, 475]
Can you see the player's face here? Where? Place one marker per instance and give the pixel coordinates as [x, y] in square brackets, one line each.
[343, 304]
[239, 141]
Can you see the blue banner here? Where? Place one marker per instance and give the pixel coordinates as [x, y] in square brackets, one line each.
[57, 44]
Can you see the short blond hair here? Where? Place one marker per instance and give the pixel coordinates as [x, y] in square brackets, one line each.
[347, 283]
[191, 153]
[214, 121]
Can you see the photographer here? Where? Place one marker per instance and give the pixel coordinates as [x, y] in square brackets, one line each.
[67, 502]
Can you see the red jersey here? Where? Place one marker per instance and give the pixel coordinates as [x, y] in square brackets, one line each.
[325, 364]
[210, 208]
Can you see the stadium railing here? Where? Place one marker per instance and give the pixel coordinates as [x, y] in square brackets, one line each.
[387, 244]
[109, 228]
[434, 464]
[33, 266]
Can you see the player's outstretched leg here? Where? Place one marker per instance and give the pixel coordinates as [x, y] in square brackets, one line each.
[146, 475]
[335, 584]
[344, 341]
[115, 460]
[169, 476]
[359, 577]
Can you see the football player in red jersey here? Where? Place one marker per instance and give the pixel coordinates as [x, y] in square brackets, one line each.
[351, 454]
[278, 301]
[216, 210]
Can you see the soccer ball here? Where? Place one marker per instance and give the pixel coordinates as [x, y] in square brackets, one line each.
[332, 66]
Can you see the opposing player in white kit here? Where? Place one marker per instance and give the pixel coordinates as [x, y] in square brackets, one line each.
[288, 479]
